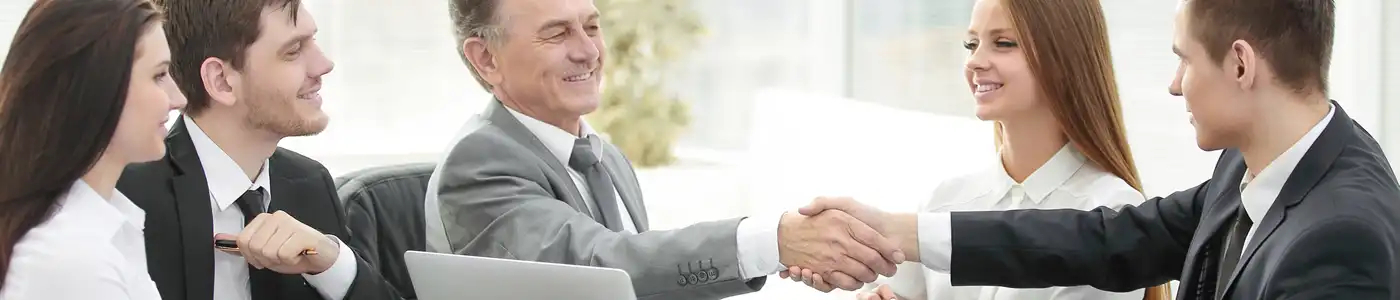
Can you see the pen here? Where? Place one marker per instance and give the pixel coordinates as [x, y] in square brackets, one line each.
[232, 246]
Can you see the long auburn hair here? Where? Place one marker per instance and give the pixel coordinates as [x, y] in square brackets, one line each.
[62, 89]
[1066, 48]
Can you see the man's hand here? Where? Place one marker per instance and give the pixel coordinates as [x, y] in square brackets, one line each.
[275, 241]
[835, 242]
[900, 228]
[865, 213]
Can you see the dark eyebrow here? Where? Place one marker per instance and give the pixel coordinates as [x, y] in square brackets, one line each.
[301, 38]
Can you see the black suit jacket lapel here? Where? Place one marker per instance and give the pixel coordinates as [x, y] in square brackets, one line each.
[303, 194]
[1339, 132]
[1225, 200]
[192, 203]
[293, 193]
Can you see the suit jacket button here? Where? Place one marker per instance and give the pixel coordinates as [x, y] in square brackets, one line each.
[694, 279]
[713, 273]
[681, 281]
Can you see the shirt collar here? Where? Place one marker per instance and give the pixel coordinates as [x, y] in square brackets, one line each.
[559, 142]
[1045, 179]
[82, 202]
[1264, 188]
[226, 180]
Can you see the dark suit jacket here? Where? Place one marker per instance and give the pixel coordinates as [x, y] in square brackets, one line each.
[1332, 233]
[179, 227]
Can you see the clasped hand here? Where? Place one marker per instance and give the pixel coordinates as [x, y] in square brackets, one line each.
[837, 243]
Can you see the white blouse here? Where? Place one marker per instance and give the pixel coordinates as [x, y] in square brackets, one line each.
[1065, 181]
[89, 248]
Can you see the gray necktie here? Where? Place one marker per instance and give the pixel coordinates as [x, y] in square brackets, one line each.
[600, 185]
[1234, 246]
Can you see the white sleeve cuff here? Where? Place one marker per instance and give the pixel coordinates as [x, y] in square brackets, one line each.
[758, 246]
[335, 282]
[936, 241]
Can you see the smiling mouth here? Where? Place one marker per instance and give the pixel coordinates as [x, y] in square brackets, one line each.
[580, 77]
[987, 88]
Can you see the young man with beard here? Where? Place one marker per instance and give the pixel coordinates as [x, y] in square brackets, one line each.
[251, 71]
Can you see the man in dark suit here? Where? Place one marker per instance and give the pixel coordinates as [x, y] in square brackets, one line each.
[1303, 204]
[251, 72]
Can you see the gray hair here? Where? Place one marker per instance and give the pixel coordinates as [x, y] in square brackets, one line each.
[475, 18]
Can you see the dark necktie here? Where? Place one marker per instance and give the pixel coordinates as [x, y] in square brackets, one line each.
[262, 283]
[1234, 245]
[600, 186]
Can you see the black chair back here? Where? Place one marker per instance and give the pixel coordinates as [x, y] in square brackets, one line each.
[384, 209]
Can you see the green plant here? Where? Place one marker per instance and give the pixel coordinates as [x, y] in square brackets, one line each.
[637, 112]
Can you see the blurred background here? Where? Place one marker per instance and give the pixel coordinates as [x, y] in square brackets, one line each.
[754, 106]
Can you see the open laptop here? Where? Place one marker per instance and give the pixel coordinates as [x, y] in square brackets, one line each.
[439, 276]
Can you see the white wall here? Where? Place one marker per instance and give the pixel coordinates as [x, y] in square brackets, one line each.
[1355, 77]
[1390, 78]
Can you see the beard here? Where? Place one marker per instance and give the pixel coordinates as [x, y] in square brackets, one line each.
[276, 111]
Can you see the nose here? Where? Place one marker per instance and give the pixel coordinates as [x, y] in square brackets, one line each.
[320, 64]
[977, 61]
[1175, 88]
[172, 93]
[584, 48]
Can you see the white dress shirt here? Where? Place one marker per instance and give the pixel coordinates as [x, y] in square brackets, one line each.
[227, 182]
[757, 237]
[89, 248]
[1067, 180]
[1258, 192]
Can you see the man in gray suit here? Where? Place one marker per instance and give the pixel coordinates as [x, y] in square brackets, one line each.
[528, 179]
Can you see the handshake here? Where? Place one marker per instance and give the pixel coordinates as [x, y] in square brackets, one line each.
[840, 243]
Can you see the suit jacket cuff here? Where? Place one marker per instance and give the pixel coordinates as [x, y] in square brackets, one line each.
[757, 240]
[335, 282]
[936, 241]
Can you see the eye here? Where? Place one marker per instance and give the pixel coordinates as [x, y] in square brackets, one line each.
[1006, 44]
[294, 52]
[970, 45]
[592, 30]
[162, 76]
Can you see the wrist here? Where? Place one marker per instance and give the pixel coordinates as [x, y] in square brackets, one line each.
[328, 251]
[785, 223]
[903, 229]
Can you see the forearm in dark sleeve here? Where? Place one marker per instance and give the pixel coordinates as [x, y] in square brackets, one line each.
[1118, 251]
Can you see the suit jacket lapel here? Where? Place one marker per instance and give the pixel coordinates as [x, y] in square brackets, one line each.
[1339, 132]
[626, 185]
[1224, 202]
[196, 222]
[292, 194]
[502, 118]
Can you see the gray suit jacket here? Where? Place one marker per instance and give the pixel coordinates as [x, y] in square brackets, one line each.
[500, 193]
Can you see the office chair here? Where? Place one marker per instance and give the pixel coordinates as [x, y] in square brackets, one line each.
[384, 210]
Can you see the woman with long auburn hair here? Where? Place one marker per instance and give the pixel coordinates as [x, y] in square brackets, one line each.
[1043, 73]
[83, 92]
